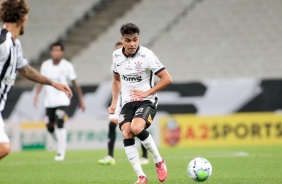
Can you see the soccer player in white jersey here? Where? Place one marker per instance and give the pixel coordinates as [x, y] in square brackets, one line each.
[113, 118]
[14, 16]
[55, 102]
[134, 66]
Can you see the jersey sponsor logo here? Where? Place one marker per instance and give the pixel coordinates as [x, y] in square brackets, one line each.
[132, 78]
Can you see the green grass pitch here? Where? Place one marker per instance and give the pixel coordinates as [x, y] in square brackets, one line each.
[231, 165]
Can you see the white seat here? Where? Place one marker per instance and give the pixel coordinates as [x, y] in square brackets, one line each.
[48, 20]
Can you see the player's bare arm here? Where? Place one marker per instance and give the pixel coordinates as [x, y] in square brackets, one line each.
[116, 86]
[38, 90]
[32, 74]
[165, 80]
[78, 91]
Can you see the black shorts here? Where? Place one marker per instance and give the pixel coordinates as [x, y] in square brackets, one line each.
[56, 113]
[143, 109]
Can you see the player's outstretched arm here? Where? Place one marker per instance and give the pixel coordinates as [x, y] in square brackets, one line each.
[32, 74]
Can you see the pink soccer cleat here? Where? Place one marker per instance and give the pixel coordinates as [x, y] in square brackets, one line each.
[161, 170]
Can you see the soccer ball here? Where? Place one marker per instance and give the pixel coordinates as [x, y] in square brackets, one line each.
[199, 169]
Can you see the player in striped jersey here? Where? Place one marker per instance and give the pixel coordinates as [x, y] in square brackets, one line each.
[14, 15]
[134, 66]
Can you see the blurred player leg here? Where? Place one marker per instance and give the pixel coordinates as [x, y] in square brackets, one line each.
[61, 134]
[109, 159]
[50, 122]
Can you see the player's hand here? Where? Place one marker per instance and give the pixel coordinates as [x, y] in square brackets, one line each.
[112, 108]
[63, 87]
[134, 94]
[82, 106]
[35, 101]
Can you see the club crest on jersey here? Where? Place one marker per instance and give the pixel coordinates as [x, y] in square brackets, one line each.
[138, 66]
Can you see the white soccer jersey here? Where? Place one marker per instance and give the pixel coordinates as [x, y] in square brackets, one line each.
[62, 73]
[11, 59]
[136, 72]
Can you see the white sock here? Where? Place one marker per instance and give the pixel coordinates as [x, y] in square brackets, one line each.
[62, 140]
[133, 157]
[150, 145]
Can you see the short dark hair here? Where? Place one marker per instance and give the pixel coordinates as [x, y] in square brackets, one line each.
[57, 44]
[13, 11]
[129, 28]
[118, 43]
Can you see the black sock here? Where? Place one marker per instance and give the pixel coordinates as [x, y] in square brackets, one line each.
[112, 138]
[128, 142]
[144, 134]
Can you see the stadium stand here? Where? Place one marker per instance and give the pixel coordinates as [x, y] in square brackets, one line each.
[198, 39]
[94, 17]
[93, 64]
[219, 39]
[97, 21]
[49, 20]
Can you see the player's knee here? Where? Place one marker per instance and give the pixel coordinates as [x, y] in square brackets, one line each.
[136, 129]
[127, 134]
[137, 125]
[5, 149]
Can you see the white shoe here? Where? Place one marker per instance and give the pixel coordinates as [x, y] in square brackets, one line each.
[144, 161]
[59, 157]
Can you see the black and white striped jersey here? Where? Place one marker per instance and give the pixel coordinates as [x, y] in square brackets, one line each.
[136, 72]
[11, 59]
